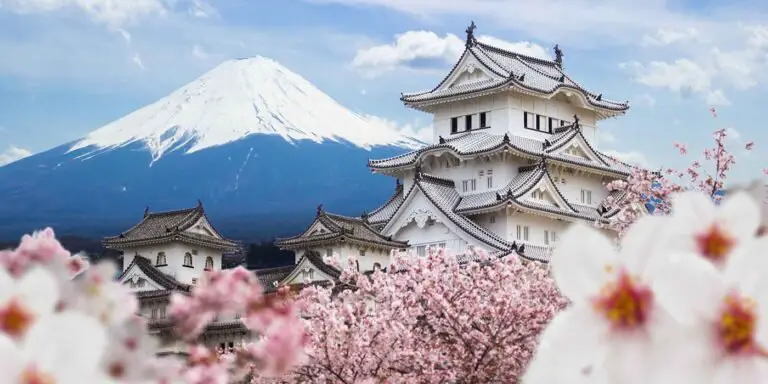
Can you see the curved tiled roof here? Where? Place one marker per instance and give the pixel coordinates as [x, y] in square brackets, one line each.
[340, 228]
[476, 143]
[162, 227]
[165, 281]
[385, 212]
[512, 69]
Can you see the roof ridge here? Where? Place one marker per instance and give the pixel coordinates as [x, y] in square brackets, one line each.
[434, 179]
[507, 52]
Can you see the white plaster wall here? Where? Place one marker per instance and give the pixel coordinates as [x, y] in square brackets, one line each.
[576, 181]
[431, 234]
[499, 226]
[504, 170]
[345, 251]
[174, 255]
[506, 114]
[536, 227]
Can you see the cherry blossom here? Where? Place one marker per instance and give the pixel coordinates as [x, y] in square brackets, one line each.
[698, 225]
[725, 314]
[24, 300]
[426, 320]
[614, 321]
[59, 348]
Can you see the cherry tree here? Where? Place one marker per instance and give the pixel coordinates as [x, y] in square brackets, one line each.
[427, 320]
[707, 174]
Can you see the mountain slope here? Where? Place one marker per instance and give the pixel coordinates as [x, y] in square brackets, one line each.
[258, 144]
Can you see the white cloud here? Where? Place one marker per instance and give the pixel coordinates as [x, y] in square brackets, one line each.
[423, 133]
[137, 60]
[13, 154]
[670, 36]
[567, 22]
[110, 12]
[631, 157]
[199, 52]
[412, 46]
[605, 137]
[683, 76]
[202, 9]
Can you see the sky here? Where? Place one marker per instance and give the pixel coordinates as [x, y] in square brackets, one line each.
[68, 67]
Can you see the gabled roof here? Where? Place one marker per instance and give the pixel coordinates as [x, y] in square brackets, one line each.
[163, 227]
[385, 212]
[154, 274]
[337, 228]
[271, 279]
[442, 194]
[511, 70]
[471, 144]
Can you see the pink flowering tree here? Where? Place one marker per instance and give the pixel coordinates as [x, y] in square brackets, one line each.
[427, 320]
[707, 174]
[66, 322]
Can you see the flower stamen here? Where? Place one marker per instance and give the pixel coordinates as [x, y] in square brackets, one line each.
[624, 303]
[715, 243]
[15, 318]
[737, 326]
[34, 376]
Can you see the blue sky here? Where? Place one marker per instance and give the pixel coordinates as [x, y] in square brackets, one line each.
[71, 66]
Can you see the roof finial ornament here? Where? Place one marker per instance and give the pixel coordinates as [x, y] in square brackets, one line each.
[505, 139]
[146, 211]
[199, 203]
[397, 183]
[441, 139]
[558, 55]
[576, 121]
[417, 170]
[319, 209]
[471, 34]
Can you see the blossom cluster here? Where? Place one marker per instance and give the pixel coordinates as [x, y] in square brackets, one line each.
[65, 321]
[429, 319]
[683, 299]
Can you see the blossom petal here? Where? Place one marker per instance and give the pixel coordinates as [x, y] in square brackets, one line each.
[579, 326]
[741, 215]
[11, 361]
[7, 286]
[692, 207]
[68, 345]
[689, 288]
[579, 262]
[747, 269]
[39, 291]
[644, 239]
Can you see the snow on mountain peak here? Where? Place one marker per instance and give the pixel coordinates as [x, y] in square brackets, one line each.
[236, 99]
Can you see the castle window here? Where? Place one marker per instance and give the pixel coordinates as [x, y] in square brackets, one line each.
[465, 185]
[194, 281]
[541, 123]
[529, 120]
[552, 124]
[162, 312]
[522, 232]
[153, 314]
[489, 180]
[362, 252]
[188, 260]
[454, 124]
[160, 261]
[141, 283]
[208, 263]
[329, 252]
[586, 196]
[483, 119]
[421, 250]
[473, 183]
[481, 173]
[492, 219]
[468, 122]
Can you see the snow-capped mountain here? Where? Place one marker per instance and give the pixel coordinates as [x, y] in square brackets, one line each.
[257, 143]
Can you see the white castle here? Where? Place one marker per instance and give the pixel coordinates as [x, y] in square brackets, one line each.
[512, 163]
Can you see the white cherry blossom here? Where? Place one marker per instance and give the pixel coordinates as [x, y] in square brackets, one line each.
[725, 314]
[22, 301]
[60, 348]
[700, 226]
[613, 323]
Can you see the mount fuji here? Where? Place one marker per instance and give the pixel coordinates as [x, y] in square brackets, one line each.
[259, 145]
